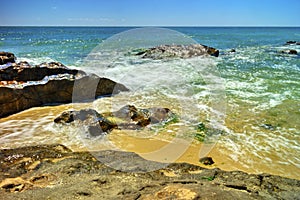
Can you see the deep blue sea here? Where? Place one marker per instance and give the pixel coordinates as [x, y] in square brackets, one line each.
[259, 98]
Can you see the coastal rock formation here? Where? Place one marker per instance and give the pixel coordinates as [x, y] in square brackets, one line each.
[23, 86]
[178, 51]
[55, 172]
[128, 117]
[6, 57]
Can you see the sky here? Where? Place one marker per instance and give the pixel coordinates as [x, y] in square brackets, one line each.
[150, 13]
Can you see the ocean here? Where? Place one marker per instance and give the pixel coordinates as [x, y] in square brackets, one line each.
[249, 98]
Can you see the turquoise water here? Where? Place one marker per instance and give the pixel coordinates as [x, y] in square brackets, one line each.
[262, 85]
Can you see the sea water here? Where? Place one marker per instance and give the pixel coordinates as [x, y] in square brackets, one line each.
[260, 106]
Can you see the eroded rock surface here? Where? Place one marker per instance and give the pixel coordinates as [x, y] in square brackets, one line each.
[55, 172]
[23, 86]
[178, 51]
[6, 57]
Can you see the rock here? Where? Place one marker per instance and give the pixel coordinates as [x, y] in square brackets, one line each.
[291, 42]
[24, 72]
[206, 160]
[232, 51]
[289, 51]
[23, 86]
[96, 123]
[6, 57]
[131, 118]
[292, 51]
[268, 127]
[178, 51]
[63, 174]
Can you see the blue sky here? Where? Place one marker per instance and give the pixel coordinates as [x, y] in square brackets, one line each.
[150, 12]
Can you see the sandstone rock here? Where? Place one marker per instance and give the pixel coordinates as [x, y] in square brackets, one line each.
[24, 72]
[63, 174]
[7, 57]
[178, 51]
[23, 86]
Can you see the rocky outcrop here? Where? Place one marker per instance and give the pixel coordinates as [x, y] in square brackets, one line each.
[23, 72]
[128, 117]
[178, 51]
[289, 51]
[55, 172]
[292, 42]
[23, 86]
[6, 57]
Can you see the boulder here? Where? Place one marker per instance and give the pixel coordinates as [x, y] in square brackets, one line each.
[178, 51]
[7, 57]
[23, 86]
[129, 117]
[96, 123]
[289, 51]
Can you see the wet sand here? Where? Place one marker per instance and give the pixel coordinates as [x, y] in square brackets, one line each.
[35, 126]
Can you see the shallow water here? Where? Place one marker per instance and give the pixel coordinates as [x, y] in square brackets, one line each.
[259, 110]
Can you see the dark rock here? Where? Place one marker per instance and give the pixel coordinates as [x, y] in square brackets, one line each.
[206, 160]
[23, 86]
[289, 51]
[178, 51]
[7, 57]
[65, 117]
[232, 51]
[24, 72]
[291, 42]
[132, 117]
[268, 126]
[96, 123]
[63, 174]
[292, 51]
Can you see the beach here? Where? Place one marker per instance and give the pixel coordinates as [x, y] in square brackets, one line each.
[261, 105]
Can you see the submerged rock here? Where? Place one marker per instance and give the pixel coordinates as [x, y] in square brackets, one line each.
[96, 123]
[206, 160]
[128, 117]
[289, 51]
[291, 42]
[55, 172]
[23, 86]
[6, 57]
[232, 51]
[178, 51]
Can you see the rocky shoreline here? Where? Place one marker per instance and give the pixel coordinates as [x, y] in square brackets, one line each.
[23, 86]
[55, 172]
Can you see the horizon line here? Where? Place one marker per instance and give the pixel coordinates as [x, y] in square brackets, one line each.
[191, 26]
